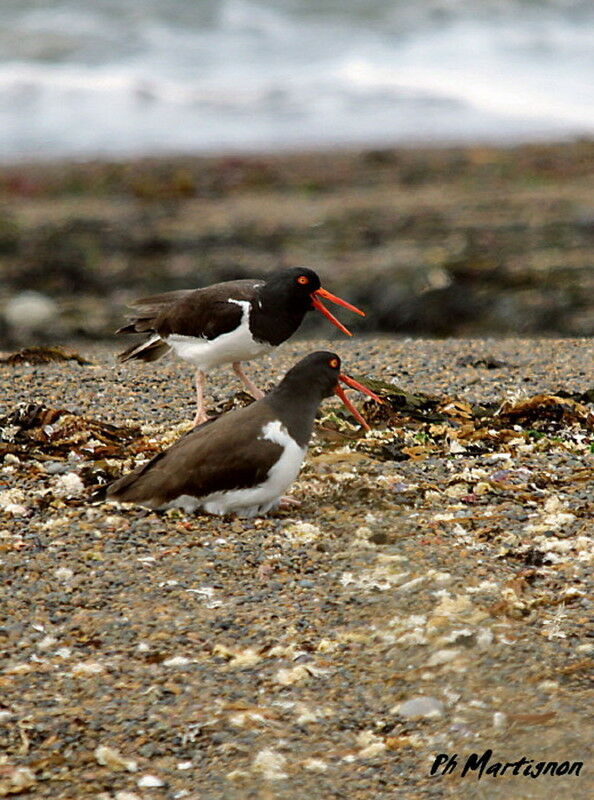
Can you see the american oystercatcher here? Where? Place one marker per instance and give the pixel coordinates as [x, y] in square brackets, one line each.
[243, 461]
[227, 322]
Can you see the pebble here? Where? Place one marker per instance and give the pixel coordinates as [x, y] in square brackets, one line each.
[30, 311]
[112, 758]
[69, 485]
[443, 657]
[14, 780]
[421, 707]
[499, 720]
[315, 765]
[270, 764]
[56, 467]
[88, 668]
[150, 782]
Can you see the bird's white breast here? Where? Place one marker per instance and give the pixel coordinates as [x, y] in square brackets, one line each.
[236, 345]
[261, 498]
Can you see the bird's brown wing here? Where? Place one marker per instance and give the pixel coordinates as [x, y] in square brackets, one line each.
[144, 313]
[223, 455]
[203, 312]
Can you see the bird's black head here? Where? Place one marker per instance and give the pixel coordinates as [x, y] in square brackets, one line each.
[318, 373]
[291, 289]
[305, 385]
[283, 301]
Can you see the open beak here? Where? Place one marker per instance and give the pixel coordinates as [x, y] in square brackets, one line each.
[317, 304]
[360, 388]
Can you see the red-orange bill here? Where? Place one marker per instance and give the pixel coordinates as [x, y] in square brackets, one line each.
[338, 300]
[333, 299]
[323, 310]
[360, 388]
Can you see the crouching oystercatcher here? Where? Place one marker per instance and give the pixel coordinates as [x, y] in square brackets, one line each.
[243, 461]
[227, 322]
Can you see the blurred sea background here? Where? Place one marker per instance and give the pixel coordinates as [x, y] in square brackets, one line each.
[432, 159]
[95, 77]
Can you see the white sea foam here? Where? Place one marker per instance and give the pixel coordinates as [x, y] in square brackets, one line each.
[84, 77]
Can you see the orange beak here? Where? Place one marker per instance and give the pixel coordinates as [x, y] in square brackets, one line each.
[360, 388]
[339, 302]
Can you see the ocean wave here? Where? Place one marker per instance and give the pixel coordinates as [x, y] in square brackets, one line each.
[109, 77]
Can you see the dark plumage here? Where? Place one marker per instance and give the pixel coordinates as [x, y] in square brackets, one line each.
[246, 459]
[226, 322]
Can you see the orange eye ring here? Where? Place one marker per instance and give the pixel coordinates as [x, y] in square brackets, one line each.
[333, 363]
[303, 280]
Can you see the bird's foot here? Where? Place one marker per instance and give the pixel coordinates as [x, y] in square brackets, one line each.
[287, 501]
[247, 382]
[200, 418]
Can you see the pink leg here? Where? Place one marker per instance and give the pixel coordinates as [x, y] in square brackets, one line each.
[287, 501]
[201, 415]
[249, 384]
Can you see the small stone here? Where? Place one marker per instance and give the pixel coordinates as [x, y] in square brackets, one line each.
[455, 447]
[69, 485]
[16, 510]
[270, 764]
[484, 638]
[14, 780]
[177, 661]
[315, 765]
[30, 311]
[371, 744]
[499, 720]
[443, 656]
[56, 467]
[10, 498]
[585, 648]
[289, 677]
[302, 532]
[457, 490]
[421, 707]
[150, 782]
[379, 537]
[109, 757]
[412, 585]
[237, 775]
[46, 643]
[548, 686]
[87, 669]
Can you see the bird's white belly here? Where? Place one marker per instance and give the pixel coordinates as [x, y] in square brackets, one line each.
[257, 499]
[236, 345]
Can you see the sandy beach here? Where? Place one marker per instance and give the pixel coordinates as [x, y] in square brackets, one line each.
[432, 594]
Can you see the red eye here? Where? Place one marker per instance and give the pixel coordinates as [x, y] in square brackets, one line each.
[302, 280]
[333, 363]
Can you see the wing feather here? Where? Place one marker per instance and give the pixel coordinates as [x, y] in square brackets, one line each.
[203, 312]
[223, 455]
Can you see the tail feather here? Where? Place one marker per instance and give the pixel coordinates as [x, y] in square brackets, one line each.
[145, 312]
[130, 488]
[139, 325]
[151, 350]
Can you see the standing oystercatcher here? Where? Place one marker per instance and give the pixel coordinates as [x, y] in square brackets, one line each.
[244, 460]
[227, 322]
